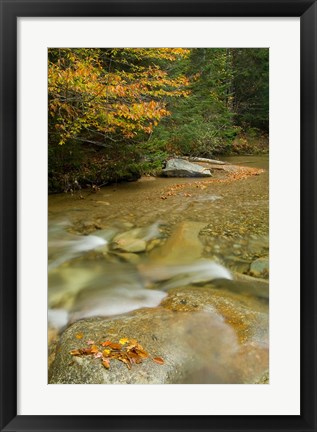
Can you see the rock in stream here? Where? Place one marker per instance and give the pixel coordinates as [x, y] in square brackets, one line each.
[183, 168]
[204, 335]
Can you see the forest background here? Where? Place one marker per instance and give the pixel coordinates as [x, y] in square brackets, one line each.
[115, 114]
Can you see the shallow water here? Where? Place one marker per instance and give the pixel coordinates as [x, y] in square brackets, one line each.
[90, 271]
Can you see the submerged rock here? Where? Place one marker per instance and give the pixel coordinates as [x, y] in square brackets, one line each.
[180, 275]
[178, 261]
[129, 257]
[127, 244]
[260, 267]
[203, 335]
[183, 168]
[135, 240]
[182, 246]
[255, 286]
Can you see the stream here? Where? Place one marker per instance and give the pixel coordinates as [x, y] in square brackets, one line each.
[140, 245]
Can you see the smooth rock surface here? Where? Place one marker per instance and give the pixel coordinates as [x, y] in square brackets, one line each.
[204, 335]
[135, 240]
[129, 245]
[183, 245]
[183, 168]
[260, 267]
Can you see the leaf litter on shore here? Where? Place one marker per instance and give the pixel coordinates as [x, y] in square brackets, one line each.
[233, 174]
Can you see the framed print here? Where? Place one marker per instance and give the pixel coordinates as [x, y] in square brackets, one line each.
[167, 281]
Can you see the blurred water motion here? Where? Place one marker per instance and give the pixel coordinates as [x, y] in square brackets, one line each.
[63, 246]
[87, 277]
[199, 271]
[115, 301]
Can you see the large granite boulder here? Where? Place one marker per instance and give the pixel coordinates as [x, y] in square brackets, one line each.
[202, 335]
[183, 168]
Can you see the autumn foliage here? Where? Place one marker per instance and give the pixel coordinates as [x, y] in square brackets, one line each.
[127, 351]
[97, 95]
[115, 114]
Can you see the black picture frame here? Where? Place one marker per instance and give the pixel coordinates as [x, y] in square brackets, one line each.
[10, 11]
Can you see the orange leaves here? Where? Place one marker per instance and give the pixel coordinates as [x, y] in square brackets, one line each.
[158, 360]
[115, 346]
[79, 336]
[94, 349]
[175, 190]
[106, 363]
[233, 173]
[82, 351]
[171, 54]
[127, 351]
[106, 343]
[125, 98]
[77, 352]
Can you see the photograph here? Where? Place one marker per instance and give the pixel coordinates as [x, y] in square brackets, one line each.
[158, 215]
[158, 223]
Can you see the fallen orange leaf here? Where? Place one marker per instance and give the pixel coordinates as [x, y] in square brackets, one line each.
[75, 352]
[106, 363]
[94, 349]
[158, 360]
[106, 343]
[115, 346]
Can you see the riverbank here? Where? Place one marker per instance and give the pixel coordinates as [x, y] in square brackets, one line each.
[85, 167]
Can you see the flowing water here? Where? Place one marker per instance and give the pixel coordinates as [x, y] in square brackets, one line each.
[123, 247]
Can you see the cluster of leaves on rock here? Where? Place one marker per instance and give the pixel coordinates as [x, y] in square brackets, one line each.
[118, 113]
[128, 351]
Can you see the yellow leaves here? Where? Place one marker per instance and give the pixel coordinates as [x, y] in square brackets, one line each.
[141, 352]
[119, 90]
[171, 54]
[94, 349]
[127, 101]
[76, 352]
[126, 360]
[127, 351]
[79, 336]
